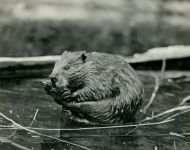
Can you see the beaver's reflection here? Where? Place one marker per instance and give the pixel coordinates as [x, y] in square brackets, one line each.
[92, 139]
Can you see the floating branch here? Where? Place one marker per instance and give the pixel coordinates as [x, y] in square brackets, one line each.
[18, 126]
[179, 108]
[171, 134]
[185, 100]
[157, 85]
[106, 127]
[93, 128]
[27, 61]
[34, 118]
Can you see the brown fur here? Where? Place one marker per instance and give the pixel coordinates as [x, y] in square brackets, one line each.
[99, 87]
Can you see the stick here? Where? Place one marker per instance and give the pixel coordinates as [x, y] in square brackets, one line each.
[34, 118]
[27, 61]
[106, 127]
[187, 98]
[167, 112]
[40, 134]
[177, 114]
[157, 84]
[94, 128]
[134, 128]
[3, 126]
[123, 135]
[177, 134]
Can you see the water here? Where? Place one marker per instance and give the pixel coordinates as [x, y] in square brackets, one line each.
[20, 99]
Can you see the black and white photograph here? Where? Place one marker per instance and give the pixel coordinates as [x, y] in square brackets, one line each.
[94, 74]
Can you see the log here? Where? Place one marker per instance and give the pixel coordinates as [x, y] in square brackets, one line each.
[27, 61]
[176, 57]
[161, 53]
[40, 66]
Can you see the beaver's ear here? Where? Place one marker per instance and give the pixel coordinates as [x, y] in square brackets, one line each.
[83, 57]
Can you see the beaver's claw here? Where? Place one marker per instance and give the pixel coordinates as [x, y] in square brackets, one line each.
[66, 95]
[47, 86]
[59, 95]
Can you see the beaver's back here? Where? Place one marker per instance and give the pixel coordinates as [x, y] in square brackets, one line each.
[112, 72]
[120, 70]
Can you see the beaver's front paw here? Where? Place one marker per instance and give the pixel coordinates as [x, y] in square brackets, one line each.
[78, 98]
[48, 87]
[67, 95]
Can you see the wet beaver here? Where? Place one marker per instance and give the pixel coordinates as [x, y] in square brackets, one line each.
[95, 87]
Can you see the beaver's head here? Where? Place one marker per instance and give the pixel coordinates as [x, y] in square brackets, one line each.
[70, 71]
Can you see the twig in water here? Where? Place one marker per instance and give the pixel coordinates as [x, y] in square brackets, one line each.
[14, 132]
[106, 127]
[177, 134]
[34, 118]
[40, 134]
[175, 148]
[122, 135]
[177, 114]
[9, 128]
[3, 139]
[134, 128]
[167, 112]
[93, 128]
[187, 98]
[157, 85]
[184, 108]
[4, 126]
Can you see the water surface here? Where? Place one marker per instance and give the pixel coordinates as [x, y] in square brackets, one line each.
[21, 98]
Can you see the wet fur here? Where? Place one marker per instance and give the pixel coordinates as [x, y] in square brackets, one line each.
[103, 87]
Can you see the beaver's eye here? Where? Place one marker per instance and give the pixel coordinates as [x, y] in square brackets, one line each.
[66, 68]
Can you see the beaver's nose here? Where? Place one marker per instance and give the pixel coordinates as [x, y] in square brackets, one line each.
[53, 80]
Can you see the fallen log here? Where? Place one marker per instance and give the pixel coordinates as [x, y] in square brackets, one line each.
[175, 57]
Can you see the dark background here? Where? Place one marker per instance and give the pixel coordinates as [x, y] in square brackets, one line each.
[48, 27]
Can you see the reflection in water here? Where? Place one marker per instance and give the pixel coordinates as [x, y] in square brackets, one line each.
[19, 100]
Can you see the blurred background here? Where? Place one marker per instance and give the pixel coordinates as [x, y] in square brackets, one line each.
[48, 27]
[125, 27]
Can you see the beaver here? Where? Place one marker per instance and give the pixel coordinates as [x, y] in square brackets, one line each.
[95, 87]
